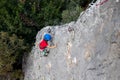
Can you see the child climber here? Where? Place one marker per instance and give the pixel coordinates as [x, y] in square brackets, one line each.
[43, 45]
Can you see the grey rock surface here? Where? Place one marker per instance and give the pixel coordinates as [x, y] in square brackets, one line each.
[88, 49]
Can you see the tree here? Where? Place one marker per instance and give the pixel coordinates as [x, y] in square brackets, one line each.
[10, 49]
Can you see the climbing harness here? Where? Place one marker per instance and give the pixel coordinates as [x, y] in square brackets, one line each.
[45, 52]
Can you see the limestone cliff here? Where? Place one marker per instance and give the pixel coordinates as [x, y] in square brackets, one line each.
[87, 49]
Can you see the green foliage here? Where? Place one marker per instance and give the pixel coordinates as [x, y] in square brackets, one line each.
[9, 15]
[44, 12]
[71, 15]
[10, 49]
[17, 74]
[50, 13]
[72, 11]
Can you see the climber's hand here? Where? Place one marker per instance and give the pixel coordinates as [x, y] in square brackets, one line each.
[54, 46]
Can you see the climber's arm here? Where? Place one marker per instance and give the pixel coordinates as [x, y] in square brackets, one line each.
[51, 46]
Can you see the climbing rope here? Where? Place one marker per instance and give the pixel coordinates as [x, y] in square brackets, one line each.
[87, 8]
[101, 3]
[50, 31]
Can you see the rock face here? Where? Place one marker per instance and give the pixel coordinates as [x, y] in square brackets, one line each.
[88, 49]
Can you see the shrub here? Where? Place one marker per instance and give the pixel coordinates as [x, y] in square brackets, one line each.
[71, 14]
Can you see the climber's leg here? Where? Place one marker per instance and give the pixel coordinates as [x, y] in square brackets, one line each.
[45, 52]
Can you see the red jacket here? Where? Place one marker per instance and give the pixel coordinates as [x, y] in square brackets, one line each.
[43, 44]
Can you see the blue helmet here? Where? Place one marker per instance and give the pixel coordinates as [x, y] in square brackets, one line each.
[47, 37]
